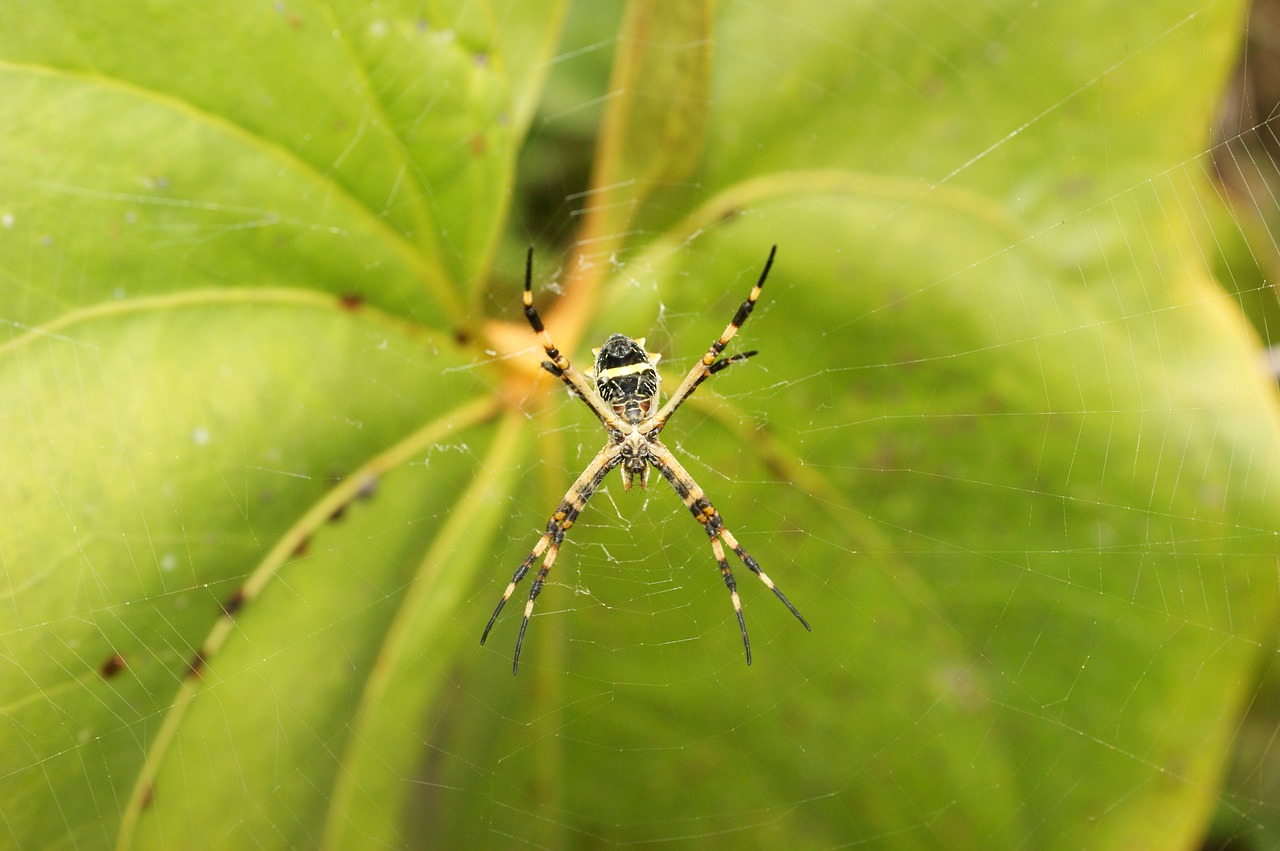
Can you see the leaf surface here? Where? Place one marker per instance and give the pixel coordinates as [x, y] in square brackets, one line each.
[268, 467]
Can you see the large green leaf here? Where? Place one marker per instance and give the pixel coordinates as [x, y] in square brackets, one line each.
[267, 468]
[346, 147]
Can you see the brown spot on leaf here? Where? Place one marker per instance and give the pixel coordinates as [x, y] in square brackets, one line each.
[115, 664]
[233, 603]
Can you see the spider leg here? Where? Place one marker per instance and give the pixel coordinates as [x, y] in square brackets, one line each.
[711, 363]
[565, 514]
[557, 364]
[705, 513]
[717, 366]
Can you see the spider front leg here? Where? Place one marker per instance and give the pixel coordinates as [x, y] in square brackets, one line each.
[712, 362]
[705, 513]
[557, 527]
[557, 364]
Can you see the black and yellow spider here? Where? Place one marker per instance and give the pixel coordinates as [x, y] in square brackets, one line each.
[623, 399]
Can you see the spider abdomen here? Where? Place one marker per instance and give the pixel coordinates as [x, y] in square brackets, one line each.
[626, 377]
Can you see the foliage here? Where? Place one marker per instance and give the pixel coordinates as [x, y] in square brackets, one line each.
[268, 463]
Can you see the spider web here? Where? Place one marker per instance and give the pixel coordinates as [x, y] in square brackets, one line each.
[1009, 446]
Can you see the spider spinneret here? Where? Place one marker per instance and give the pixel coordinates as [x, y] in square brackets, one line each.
[624, 398]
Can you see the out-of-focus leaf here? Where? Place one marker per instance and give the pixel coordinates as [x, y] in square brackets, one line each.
[351, 148]
[214, 223]
[657, 116]
[985, 97]
[157, 452]
[1004, 444]
[344, 623]
[1013, 574]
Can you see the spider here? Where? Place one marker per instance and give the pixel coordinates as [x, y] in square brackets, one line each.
[624, 398]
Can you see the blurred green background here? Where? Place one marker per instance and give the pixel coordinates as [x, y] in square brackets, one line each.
[273, 435]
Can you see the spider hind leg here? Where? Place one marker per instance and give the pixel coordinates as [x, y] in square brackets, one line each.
[732, 585]
[549, 543]
[557, 527]
[754, 567]
[706, 515]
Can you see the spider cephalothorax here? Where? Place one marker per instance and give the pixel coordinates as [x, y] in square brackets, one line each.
[623, 398]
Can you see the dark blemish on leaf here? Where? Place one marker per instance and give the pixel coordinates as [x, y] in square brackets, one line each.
[338, 513]
[115, 664]
[729, 213]
[477, 144]
[1076, 186]
[195, 667]
[351, 301]
[233, 603]
[368, 489]
[301, 549]
[461, 337]
[147, 798]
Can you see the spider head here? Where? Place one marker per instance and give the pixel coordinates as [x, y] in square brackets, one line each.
[626, 377]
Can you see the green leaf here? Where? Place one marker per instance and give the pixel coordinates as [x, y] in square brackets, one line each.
[650, 137]
[216, 225]
[160, 449]
[268, 468]
[350, 149]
